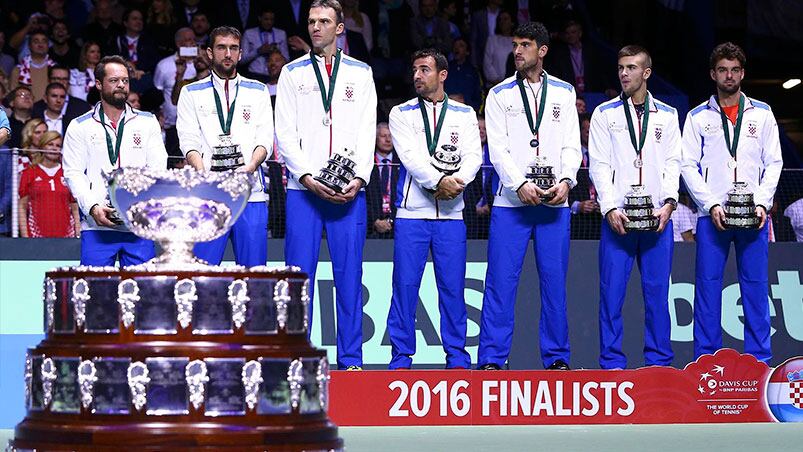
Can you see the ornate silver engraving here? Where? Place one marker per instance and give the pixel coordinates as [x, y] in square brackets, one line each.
[184, 293]
[136, 180]
[238, 297]
[323, 383]
[138, 384]
[28, 377]
[196, 376]
[295, 378]
[50, 302]
[127, 298]
[305, 302]
[48, 377]
[187, 178]
[80, 296]
[281, 296]
[252, 378]
[87, 376]
[236, 185]
[266, 269]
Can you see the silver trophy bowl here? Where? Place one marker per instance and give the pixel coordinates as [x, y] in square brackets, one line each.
[639, 210]
[447, 159]
[177, 208]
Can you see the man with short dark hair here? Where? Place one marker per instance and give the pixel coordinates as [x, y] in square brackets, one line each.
[32, 70]
[429, 215]
[226, 107]
[54, 103]
[463, 76]
[21, 103]
[530, 118]
[430, 30]
[174, 69]
[110, 136]
[635, 139]
[258, 43]
[137, 48]
[72, 107]
[380, 194]
[326, 103]
[727, 139]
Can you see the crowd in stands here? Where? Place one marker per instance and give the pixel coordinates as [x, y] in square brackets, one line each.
[49, 49]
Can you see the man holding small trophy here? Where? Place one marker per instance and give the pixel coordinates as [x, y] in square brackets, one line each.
[731, 165]
[634, 153]
[326, 128]
[438, 143]
[534, 145]
[225, 122]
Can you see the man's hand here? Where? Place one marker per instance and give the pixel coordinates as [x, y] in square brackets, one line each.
[560, 192]
[663, 214]
[321, 190]
[761, 213]
[181, 67]
[383, 226]
[101, 215]
[350, 191]
[588, 206]
[718, 217]
[449, 188]
[530, 194]
[483, 210]
[298, 44]
[247, 168]
[616, 219]
[195, 160]
[265, 48]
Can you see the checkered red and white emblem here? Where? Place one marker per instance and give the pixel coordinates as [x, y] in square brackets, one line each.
[246, 115]
[455, 137]
[796, 393]
[752, 129]
[658, 133]
[349, 91]
[137, 139]
[556, 111]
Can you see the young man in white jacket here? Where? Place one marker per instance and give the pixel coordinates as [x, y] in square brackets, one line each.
[726, 139]
[635, 139]
[112, 135]
[429, 213]
[226, 103]
[529, 115]
[326, 103]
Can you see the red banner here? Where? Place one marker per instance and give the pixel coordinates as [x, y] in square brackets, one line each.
[724, 387]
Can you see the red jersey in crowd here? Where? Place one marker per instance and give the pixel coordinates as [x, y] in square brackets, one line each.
[49, 202]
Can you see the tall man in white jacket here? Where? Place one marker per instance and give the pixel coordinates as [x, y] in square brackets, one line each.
[112, 135]
[226, 103]
[530, 114]
[325, 103]
[730, 138]
[429, 213]
[635, 139]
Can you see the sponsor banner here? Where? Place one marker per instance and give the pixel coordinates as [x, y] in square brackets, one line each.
[726, 387]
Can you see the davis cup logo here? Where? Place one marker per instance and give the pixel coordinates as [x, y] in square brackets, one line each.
[785, 391]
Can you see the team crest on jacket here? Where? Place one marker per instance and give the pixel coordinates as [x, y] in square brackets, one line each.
[752, 129]
[658, 133]
[455, 138]
[137, 139]
[349, 93]
[247, 114]
[556, 111]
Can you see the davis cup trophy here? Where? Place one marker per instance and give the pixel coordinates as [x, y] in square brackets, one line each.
[740, 208]
[226, 155]
[339, 171]
[639, 210]
[541, 174]
[446, 159]
[174, 354]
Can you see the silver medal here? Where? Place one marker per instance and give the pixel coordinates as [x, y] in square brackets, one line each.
[327, 121]
[732, 163]
[638, 163]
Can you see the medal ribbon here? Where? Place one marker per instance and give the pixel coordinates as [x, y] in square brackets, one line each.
[541, 105]
[326, 95]
[226, 126]
[737, 128]
[432, 142]
[638, 146]
[114, 151]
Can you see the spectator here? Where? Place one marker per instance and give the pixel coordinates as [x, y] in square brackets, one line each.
[134, 99]
[201, 64]
[483, 23]
[137, 48]
[72, 108]
[586, 217]
[358, 22]
[172, 69]
[31, 134]
[21, 101]
[7, 61]
[448, 11]
[291, 16]
[276, 62]
[200, 26]
[21, 40]
[103, 29]
[188, 9]
[46, 208]
[82, 78]
[572, 59]
[241, 14]
[32, 70]
[6, 167]
[497, 50]
[463, 76]
[684, 220]
[428, 30]
[794, 212]
[65, 50]
[479, 194]
[380, 195]
[55, 94]
[581, 105]
[259, 42]
[161, 26]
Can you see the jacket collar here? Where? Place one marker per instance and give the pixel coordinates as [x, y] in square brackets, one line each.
[653, 108]
[713, 102]
[129, 114]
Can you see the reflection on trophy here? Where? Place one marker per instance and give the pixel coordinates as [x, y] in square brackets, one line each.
[339, 171]
[541, 175]
[740, 208]
[226, 155]
[446, 159]
[113, 216]
[639, 210]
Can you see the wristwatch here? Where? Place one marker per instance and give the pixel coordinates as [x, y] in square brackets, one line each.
[569, 182]
[672, 202]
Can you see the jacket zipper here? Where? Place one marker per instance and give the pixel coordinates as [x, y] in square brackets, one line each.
[706, 175]
[407, 191]
[613, 177]
[437, 210]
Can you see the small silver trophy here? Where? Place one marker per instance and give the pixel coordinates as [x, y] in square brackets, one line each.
[339, 171]
[542, 175]
[446, 159]
[639, 210]
[226, 155]
[740, 208]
